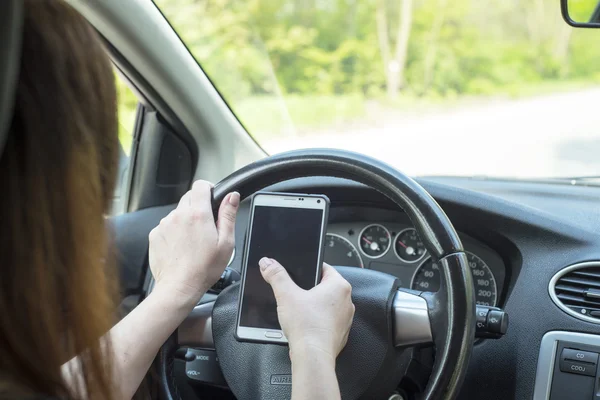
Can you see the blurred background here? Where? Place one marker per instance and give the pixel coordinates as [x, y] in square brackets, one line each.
[501, 88]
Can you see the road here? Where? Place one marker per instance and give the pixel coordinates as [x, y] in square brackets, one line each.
[552, 135]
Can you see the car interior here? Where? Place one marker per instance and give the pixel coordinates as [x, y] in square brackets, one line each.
[464, 287]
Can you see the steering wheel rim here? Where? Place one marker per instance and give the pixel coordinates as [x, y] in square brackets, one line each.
[451, 310]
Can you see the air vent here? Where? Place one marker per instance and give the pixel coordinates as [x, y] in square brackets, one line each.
[576, 290]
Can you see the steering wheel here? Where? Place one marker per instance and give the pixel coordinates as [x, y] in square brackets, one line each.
[387, 319]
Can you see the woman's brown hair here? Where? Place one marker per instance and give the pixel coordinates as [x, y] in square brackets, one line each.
[56, 179]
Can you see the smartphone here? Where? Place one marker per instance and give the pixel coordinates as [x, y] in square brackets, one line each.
[291, 229]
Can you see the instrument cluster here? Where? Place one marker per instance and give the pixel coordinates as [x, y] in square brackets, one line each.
[398, 250]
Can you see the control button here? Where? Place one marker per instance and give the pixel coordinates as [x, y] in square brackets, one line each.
[497, 321]
[228, 277]
[580, 355]
[481, 319]
[184, 354]
[490, 322]
[273, 335]
[204, 368]
[189, 356]
[574, 367]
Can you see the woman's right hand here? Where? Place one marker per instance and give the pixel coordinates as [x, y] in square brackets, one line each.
[312, 320]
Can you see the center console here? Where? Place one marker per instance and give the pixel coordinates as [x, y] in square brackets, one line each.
[568, 367]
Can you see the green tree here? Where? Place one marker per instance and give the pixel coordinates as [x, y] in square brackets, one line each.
[256, 50]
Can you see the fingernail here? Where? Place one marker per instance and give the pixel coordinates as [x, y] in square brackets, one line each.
[264, 263]
[234, 199]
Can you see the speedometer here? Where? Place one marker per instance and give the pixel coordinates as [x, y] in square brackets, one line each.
[427, 279]
[341, 252]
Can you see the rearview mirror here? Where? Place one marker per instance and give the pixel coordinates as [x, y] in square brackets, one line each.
[581, 13]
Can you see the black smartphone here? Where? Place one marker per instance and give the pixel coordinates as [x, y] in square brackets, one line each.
[290, 228]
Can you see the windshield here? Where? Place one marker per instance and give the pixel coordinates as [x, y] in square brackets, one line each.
[501, 88]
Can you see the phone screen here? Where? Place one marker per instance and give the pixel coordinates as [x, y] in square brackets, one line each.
[292, 236]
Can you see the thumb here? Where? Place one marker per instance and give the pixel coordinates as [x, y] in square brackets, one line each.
[277, 277]
[226, 220]
[329, 273]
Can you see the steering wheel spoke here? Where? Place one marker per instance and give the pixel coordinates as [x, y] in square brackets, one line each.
[410, 314]
[196, 329]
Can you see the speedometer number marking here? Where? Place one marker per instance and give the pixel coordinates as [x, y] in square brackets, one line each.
[427, 278]
[340, 251]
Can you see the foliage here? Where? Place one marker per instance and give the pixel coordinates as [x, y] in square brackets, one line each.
[256, 50]
[127, 105]
[581, 10]
[313, 111]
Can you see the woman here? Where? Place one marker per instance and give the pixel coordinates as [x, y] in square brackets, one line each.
[57, 287]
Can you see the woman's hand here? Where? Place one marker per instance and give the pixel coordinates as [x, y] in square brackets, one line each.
[188, 251]
[315, 320]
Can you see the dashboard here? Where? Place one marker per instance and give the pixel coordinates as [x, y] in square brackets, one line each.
[520, 237]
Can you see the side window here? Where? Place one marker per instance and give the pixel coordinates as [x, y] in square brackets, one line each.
[127, 105]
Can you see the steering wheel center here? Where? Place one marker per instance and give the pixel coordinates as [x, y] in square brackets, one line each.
[364, 367]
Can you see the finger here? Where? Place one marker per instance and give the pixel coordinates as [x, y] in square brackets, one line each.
[330, 273]
[200, 194]
[226, 220]
[277, 277]
[332, 278]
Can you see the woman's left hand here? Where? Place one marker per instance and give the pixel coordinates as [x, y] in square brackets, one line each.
[188, 250]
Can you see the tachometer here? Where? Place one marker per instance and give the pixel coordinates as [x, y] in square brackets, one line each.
[427, 279]
[341, 252]
[374, 240]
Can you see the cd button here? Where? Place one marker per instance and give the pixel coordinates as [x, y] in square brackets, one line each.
[580, 356]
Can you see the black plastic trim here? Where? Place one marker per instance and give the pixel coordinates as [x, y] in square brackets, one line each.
[158, 179]
[564, 8]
